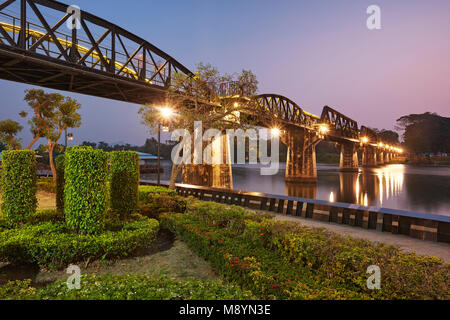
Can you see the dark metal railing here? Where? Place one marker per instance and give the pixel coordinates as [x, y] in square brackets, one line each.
[417, 225]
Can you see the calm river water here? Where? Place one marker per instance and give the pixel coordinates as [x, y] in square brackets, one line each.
[421, 189]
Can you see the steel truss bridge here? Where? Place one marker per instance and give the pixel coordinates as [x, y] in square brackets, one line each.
[99, 58]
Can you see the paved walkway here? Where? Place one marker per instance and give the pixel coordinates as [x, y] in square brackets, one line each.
[405, 243]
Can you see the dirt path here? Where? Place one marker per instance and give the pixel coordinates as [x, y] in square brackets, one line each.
[421, 247]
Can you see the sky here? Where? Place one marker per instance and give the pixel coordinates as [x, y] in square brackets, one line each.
[316, 52]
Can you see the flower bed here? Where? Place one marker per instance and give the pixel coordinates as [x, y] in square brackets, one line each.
[288, 261]
[126, 287]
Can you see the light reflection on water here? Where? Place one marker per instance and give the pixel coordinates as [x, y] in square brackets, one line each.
[421, 189]
[401, 187]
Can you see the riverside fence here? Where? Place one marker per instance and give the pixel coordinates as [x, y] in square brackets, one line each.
[417, 225]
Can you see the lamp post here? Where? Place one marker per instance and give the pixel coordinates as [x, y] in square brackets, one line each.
[166, 113]
[159, 153]
[68, 136]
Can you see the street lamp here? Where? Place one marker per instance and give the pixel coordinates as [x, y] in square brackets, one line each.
[166, 113]
[323, 130]
[68, 136]
[276, 132]
[365, 140]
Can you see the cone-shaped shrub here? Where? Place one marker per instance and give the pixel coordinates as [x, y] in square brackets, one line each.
[85, 192]
[124, 183]
[60, 183]
[19, 185]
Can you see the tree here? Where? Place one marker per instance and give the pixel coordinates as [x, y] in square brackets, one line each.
[64, 116]
[425, 133]
[8, 133]
[388, 136]
[196, 99]
[52, 113]
[42, 105]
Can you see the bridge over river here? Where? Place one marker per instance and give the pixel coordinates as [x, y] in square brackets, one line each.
[104, 60]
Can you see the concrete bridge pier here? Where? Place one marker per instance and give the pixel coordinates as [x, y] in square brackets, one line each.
[349, 157]
[369, 157]
[218, 174]
[387, 157]
[380, 158]
[301, 159]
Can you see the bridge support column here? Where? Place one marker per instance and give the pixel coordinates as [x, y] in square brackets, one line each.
[219, 174]
[380, 158]
[387, 157]
[369, 157]
[301, 159]
[349, 157]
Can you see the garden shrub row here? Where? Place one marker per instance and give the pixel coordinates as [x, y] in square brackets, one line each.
[19, 185]
[52, 244]
[157, 200]
[146, 191]
[287, 261]
[126, 287]
[85, 192]
[124, 182]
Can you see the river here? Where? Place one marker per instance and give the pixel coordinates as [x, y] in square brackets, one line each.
[411, 188]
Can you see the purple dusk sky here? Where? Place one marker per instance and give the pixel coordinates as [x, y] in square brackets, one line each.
[314, 52]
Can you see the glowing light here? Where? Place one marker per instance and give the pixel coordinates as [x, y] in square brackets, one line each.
[365, 140]
[381, 145]
[332, 197]
[166, 112]
[276, 132]
[323, 129]
[236, 104]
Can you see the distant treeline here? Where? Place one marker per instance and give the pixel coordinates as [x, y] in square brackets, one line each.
[426, 133]
[150, 146]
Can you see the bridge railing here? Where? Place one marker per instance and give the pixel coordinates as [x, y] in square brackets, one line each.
[96, 45]
[416, 225]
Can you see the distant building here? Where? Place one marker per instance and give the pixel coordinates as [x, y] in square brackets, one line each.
[146, 158]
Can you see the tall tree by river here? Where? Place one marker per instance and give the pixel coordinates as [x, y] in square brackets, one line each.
[425, 133]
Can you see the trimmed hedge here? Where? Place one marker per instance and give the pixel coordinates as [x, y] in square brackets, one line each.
[60, 182]
[52, 244]
[19, 185]
[126, 287]
[288, 261]
[157, 200]
[85, 192]
[146, 191]
[124, 182]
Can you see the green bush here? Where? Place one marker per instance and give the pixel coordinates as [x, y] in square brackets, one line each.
[156, 204]
[46, 184]
[19, 185]
[287, 261]
[60, 182]
[85, 192]
[124, 182]
[52, 244]
[126, 287]
[146, 191]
